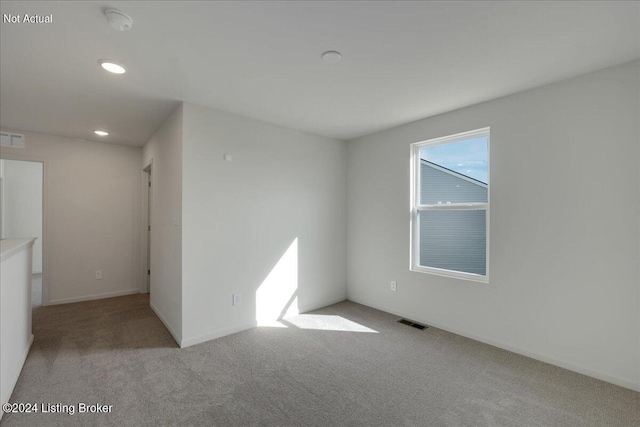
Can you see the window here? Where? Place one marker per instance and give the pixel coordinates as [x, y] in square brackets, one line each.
[450, 205]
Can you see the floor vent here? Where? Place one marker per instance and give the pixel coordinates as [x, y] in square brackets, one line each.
[412, 324]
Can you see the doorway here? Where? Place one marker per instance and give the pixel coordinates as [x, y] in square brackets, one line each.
[21, 212]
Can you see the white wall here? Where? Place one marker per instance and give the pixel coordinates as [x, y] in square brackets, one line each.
[565, 198]
[164, 150]
[15, 312]
[270, 224]
[22, 204]
[91, 216]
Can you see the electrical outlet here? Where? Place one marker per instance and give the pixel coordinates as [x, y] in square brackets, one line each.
[98, 274]
[393, 285]
[237, 299]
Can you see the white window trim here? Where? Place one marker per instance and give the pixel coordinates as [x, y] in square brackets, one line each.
[416, 207]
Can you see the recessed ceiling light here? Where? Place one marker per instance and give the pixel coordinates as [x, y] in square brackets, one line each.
[112, 67]
[331, 57]
[101, 133]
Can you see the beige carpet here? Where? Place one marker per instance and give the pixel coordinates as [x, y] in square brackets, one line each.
[344, 365]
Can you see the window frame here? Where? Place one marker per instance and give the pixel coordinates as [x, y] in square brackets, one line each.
[416, 207]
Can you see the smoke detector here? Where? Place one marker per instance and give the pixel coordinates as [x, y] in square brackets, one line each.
[331, 57]
[118, 20]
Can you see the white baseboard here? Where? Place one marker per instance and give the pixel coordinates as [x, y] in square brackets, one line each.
[92, 297]
[177, 337]
[187, 342]
[16, 374]
[514, 349]
[310, 307]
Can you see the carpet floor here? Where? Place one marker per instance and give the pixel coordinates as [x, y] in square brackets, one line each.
[343, 365]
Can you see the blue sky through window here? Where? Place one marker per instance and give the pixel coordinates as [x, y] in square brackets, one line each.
[468, 157]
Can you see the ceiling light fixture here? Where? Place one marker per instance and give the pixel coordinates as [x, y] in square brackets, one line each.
[112, 67]
[101, 133]
[331, 57]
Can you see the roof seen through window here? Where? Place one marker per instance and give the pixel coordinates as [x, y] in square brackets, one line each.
[467, 157]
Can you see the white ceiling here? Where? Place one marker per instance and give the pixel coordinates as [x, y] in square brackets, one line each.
[401, 60]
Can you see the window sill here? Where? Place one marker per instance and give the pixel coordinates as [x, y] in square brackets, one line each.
[452, 274]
